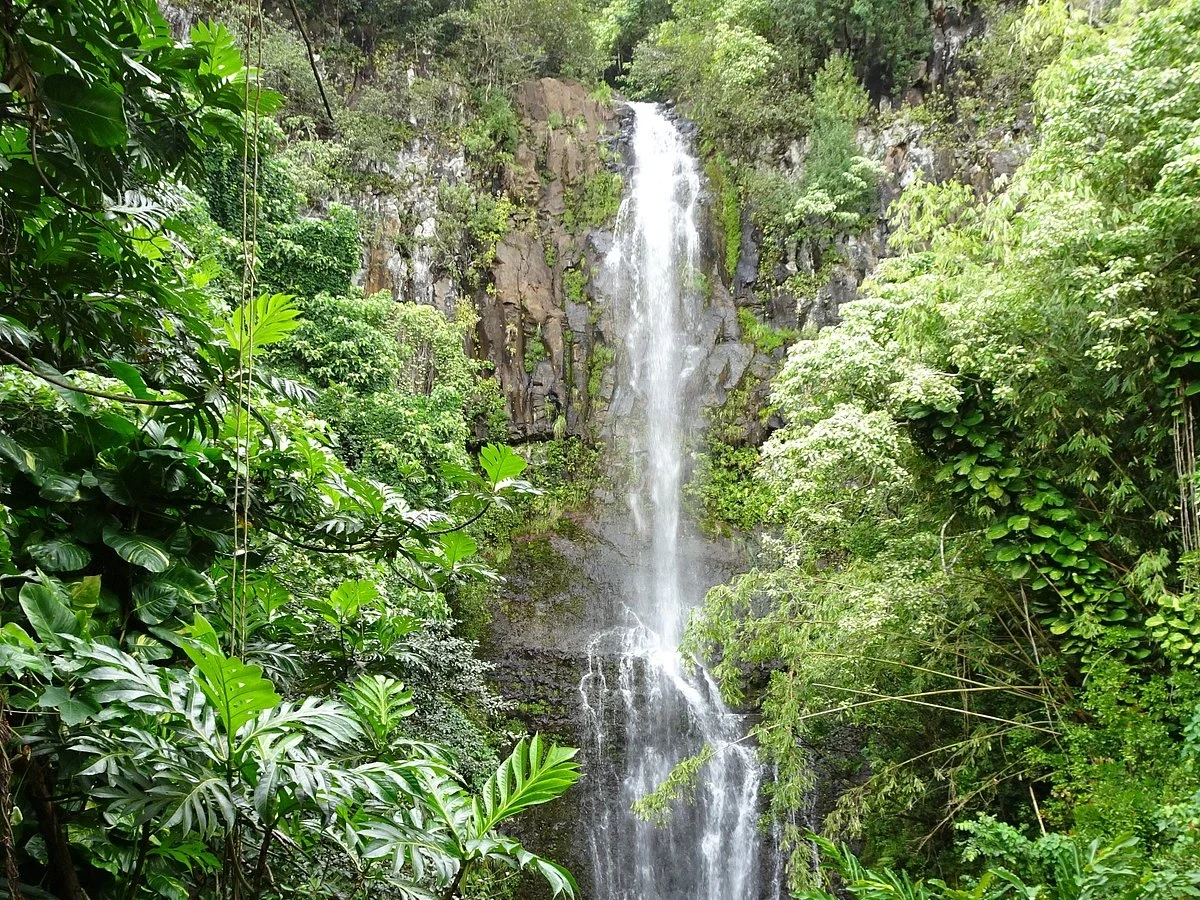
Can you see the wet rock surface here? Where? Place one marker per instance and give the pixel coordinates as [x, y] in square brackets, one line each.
[543, 325]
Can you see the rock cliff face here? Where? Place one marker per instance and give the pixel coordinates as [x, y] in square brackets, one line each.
[401, 253]
[537, 325]
[542, 323]
[908, 148]
[906, 152]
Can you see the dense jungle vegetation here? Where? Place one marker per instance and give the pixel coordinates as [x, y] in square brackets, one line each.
[238, 501]
[249, 515]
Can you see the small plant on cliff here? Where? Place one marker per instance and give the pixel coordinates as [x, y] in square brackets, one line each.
[594, 202]
[725, 487]
[535, 352]
[765, 338]
[492, 135]
[602, 358]
[721, 178]
[729, 493]
[837, 186]
[574, 282]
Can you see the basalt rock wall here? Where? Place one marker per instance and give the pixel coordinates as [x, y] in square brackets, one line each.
[537, 323]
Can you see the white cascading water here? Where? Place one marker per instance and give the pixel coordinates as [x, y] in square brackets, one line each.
[645, 711]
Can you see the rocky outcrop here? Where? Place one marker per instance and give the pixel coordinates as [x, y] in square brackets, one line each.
[538, 318]
[538, 324]
[810, 283]
[906, 151]
[542, 324]
[400, 209]
[910, 151]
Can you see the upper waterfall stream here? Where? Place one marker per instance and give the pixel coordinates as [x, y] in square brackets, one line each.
[644, 710]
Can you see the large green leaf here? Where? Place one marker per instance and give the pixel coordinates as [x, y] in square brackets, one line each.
[532, 774]
[60, 555]
[558, 877]
[85, 593]
[191, 587]
[238, 692]
[138, 550]
[266, 320]
[221, 56]
[21, 457]
[500, 463]
[72, 709]
[94, 113]
[350, 596]
[130, 376]
[19, 653]
[457, 546]
[58, 486]
[381, 703]
[154, 601]
[45, 606]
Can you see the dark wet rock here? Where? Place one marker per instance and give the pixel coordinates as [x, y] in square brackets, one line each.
[951, 31]
[748, 255]
[561, 591]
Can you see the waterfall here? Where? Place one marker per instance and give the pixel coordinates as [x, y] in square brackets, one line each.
[644, 710]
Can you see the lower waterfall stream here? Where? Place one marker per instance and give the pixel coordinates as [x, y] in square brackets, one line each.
[637, 693]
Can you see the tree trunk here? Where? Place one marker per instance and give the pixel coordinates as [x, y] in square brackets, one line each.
[62, 869]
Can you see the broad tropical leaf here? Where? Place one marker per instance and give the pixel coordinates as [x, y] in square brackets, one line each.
[131, 377]
[560, 880]
[19, 653]
[350, 596]
[381, 704]
[501, 464]
[45, 606]
[457, 546]
[138, 550]
[266, 320]
[21, 457]
[532, 774]
[72, 709]
[154, 601]
[94, 111]
[238, 692]
[326, 721]
[59, 555]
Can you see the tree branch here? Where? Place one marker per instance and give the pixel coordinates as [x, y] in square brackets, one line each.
[312, 60]
[120, 398]
[61, 868]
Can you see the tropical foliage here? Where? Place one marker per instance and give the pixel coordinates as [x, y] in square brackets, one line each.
[215, 576]
[248, 511]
